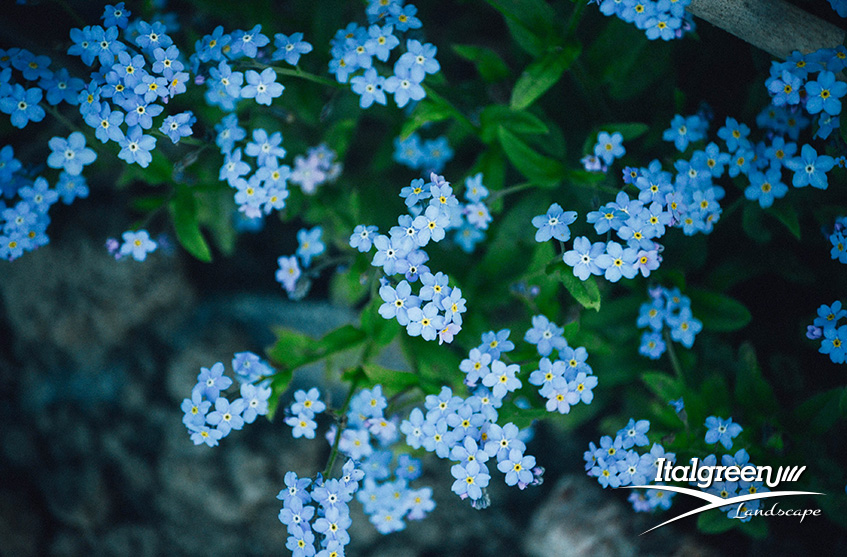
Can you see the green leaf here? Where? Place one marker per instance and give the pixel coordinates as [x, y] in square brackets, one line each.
[584, 291]
[294, 349]
[391, 380]
[715, 522]
[184, 212]
[751, 388]
[516, 121]
[663, 385]
[426, 111]
[380, 330]
[751, 222]
[530, 22]
[488, 63]
[279, 384]
[820, 412]
[541, 75]
[717, 312]
[787, 215]
[529, 162]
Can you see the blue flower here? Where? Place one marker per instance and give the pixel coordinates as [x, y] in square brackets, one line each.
[518, 468]
[106, 123]
[117, 15]
[227, 415]
[684, 326]
[22, 105]
[502, 378]
[403, 17]
[545, 335]
[290, 48]
[307, 403]
[302, 426]
[554, 224]
[362, 237]
[833, 343]
[784, 89]
[204, 434]
[71, 187]
[266, 148]
[195, 408]
[213, 381]
[70, 154]
[684, 131]
[262, 87]
[824, 94]
[152, 36]
[310, 244]
[470, 479]
[617, 262]
[247, 43]
[583, 257]
[404, 86]
[138, 244]
[136, 147]
[609, 147]
[140, 114]
[430, 225]
[381, 41]
[678, 405]
[634, 433]
[398, 302]
[288, 273]
[369, 87]
[720, 430]
[810, 168]
[765, 187]
[178, 126]
[420, 59]
[735, 135]
[496, 343]
[828, 316]
[652, 345]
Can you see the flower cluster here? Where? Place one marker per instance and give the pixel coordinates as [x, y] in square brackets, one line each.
[210, 416]
[425, 155]
[466, 432]
[617, 463]
[659, 19]
[825, 327]
[565, 381]
[808, 82]
[23, 227]
[216, 53]
[359, 53]
[290, 274]
[727, 489]
[838, 240]
[436, 310]
[638, 222]
[667, 307]
[301, 414]
[318, 507]
[387, 497]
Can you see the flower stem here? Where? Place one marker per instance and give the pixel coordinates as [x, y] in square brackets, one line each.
[677, 368]
[341, 423]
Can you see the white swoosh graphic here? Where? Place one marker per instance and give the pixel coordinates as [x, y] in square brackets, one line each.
[714, 500]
